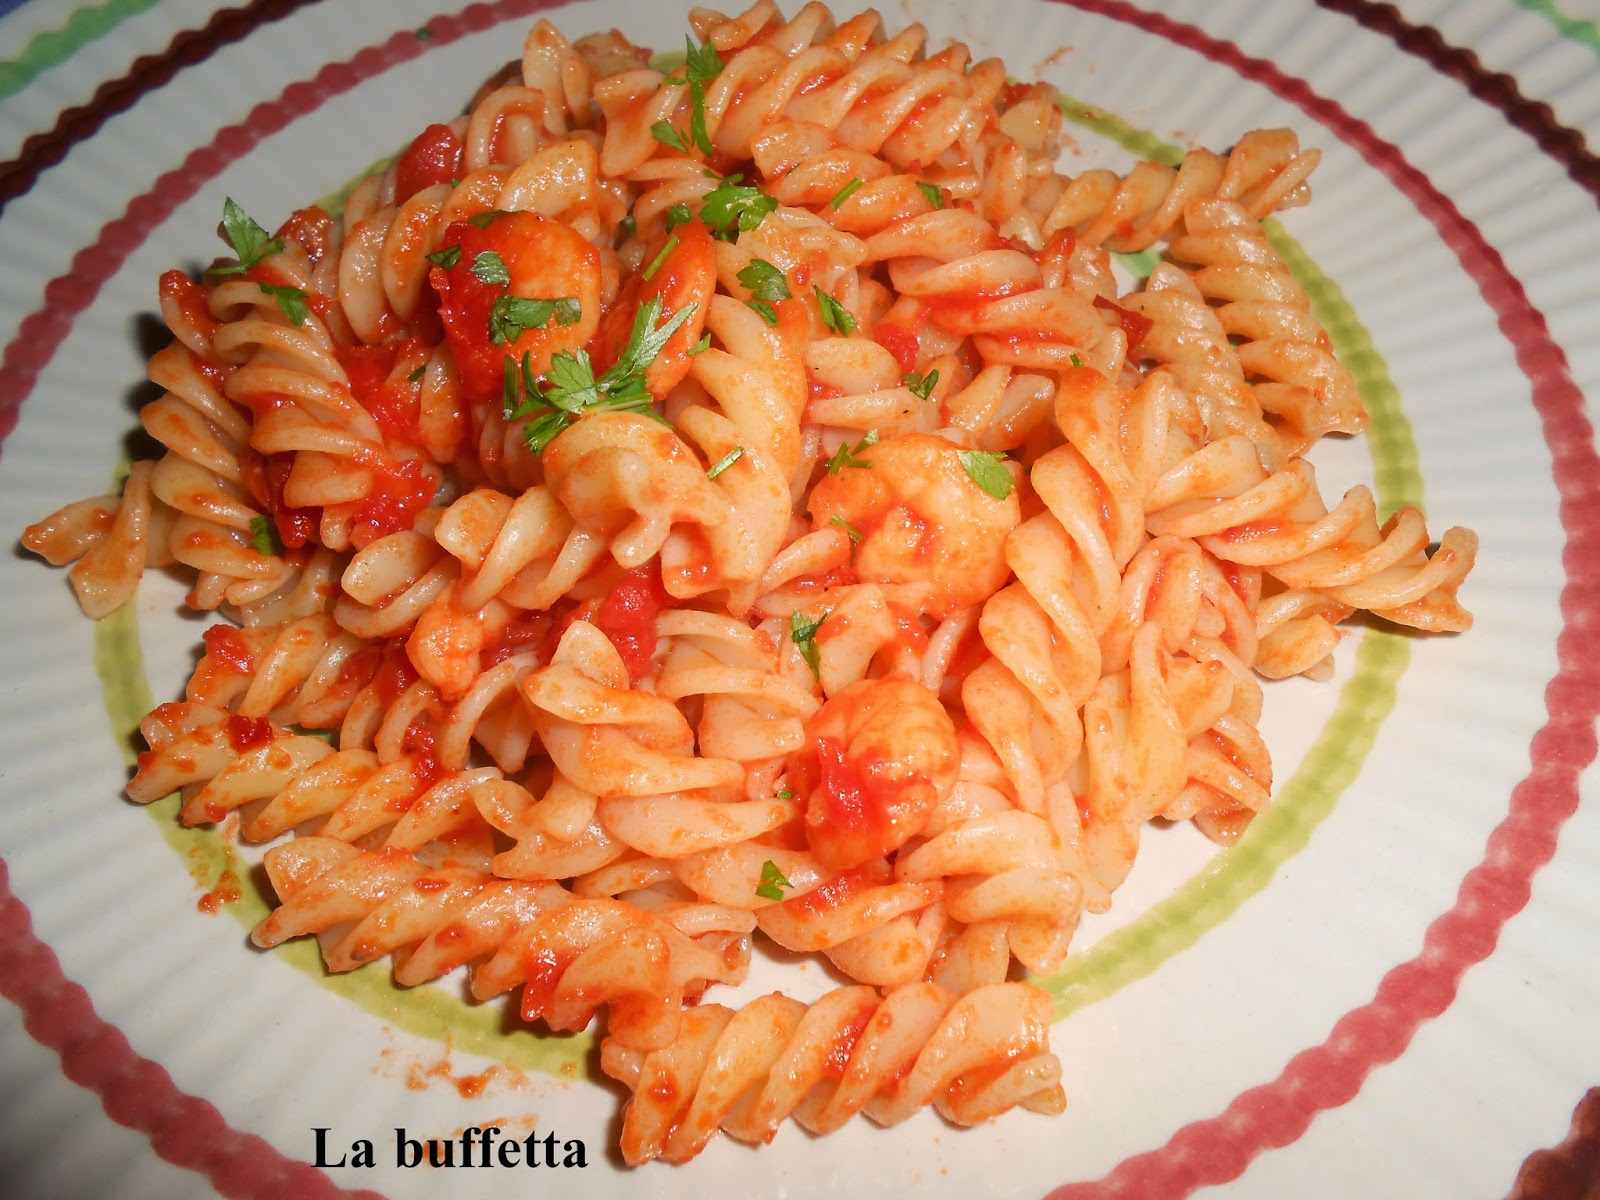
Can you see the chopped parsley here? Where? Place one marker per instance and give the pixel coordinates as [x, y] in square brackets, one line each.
[850, 530]
[803, 633]
[845, 192]
[664, 133]
[655, 264]
[934, 193]
[920, 386]
[773, 884]
[678, 214]
[490, 268]
[988, 471]
[511, 316]
[570, 386]
[764, 280]
[701, 346]
[726, 461]
[701, 64]
[484, 219]
[424, 34]
[766, 284]
[291, 300]
[786, 794]
[845, 455]
[732, 208]
[834, 315]
[249, 241]
[697, 120]
[417, 374]
[264, 537]
[1075, 360]
[446, 258]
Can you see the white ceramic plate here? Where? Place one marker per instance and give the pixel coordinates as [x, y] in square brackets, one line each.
[1388, 990]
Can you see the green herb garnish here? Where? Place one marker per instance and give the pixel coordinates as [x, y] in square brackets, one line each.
[845, 192]
[988, 471]
[570, 387]
[834, 315]
[511, 316]
[732, 208]
[920, 386]
[803, 633]
[490, 268]
[934, 193]
[264, 537]
[446, 258]
[773, 884]
[845, 455]
[291, 301]
[678, 214]
[655, 265]
[726, 461]
[249, 240]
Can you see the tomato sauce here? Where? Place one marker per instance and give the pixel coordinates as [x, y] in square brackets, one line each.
[1135, 325]
[228, 647]
[189, 298]
[248, 733]
[392, 402]
[543, 969]
[628, 616]
[399, 492]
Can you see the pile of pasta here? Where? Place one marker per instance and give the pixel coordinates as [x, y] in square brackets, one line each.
[667, 508]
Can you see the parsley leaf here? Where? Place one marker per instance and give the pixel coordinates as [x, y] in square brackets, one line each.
[731, 208]
[511, 316]
[677, 215]
[701, 346]
[921, 386]
[571, 387]
[987, 471]
[697, 120]
[264, 537]
[845, 455]
[655, 263]
[786, 794]
[484, 219]
[850, 530]
[249, 241]
[701, 64]
[417, 374]
[664, 133]
[726, 461]
[490, 268]
[803, 633]
[1075, 360]
[834, 315]
[764, 310]
[773, 884]
[446, 258]
[934, 193]
[846, 192]
[291, 300]
[764, 280]
[424, 34]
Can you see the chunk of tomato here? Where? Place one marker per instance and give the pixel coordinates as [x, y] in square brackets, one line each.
[434, 157]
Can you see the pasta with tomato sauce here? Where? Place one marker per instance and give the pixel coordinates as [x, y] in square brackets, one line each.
[668, 512]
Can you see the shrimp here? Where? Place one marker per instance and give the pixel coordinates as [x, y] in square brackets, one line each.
[879, 758]
[924, 525]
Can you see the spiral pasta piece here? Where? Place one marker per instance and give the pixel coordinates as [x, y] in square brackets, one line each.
[971, 1058]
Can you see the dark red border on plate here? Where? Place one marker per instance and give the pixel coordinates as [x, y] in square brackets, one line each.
[189, 1132]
